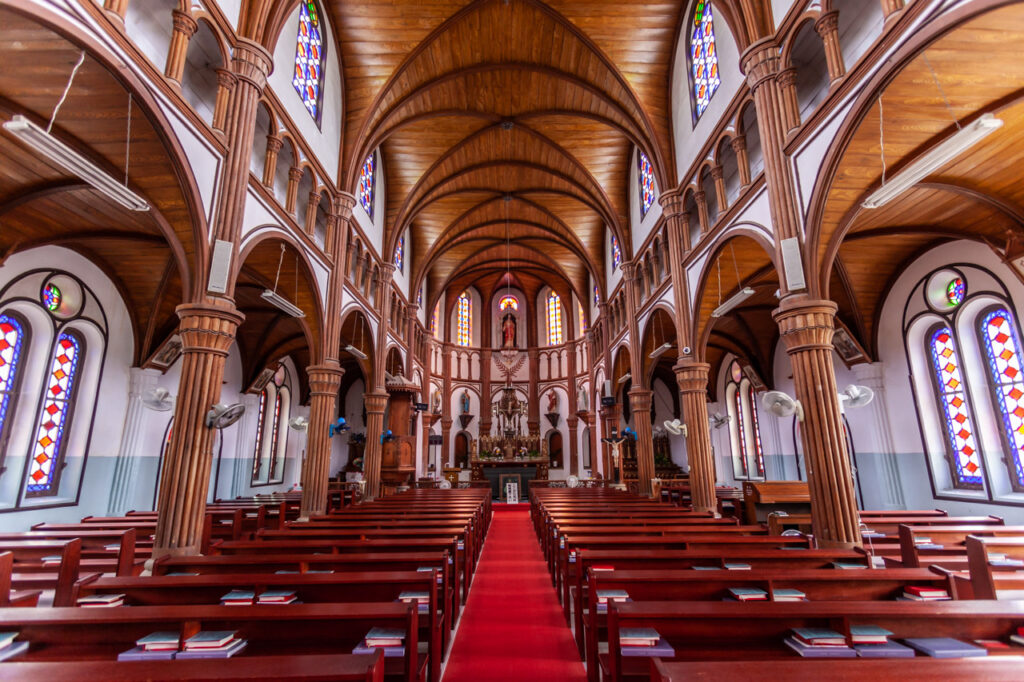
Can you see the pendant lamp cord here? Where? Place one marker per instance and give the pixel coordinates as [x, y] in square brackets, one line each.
[67, 88]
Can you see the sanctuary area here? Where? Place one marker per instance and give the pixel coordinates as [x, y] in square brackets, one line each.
[486, 340]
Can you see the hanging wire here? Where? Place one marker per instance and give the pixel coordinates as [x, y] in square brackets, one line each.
[732, 249]
[942, 92]
[128, 140]
[67, 88]
[718, 262]
[881, 137]
[279, 262]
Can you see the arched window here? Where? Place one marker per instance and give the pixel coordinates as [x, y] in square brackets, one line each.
[1002, 350]
[748, 457]
[271, 431]
[597, 295]
[465, 323]
[554, 319]
[433, 321]
[583, 318]
[951, 392]
[703, 58]
[367, 183]
[616, 253]
[308, 79]
[13, 338]
[645, 179]
[54, 416]
[257, 457]
[419, 298]
[400, 254]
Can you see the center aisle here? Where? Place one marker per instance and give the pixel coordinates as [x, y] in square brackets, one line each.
[513, 627]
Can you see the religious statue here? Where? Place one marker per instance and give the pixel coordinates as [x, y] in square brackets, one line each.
[552, 402]
[581, 400]
[465, 402]
[508, 331]
[435, 400]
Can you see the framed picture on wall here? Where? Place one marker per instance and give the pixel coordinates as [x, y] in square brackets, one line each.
[167, 354]
[848, 349]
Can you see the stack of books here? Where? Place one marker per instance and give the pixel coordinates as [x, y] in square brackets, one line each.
[819, 643]
[1019, 637]
[390, 640]
[788, 594]
[644, 642]
[1002, 561]
[871, 641]
[428, 569]
[609, 595]
[101, 601]
[277, 597]
[847, 565]
[918, 593]
[9, 648]
[748, 594]
[945, 647]
[212, 644]
[925, 543]
[421, 599]
[156, 646]
[238, 598]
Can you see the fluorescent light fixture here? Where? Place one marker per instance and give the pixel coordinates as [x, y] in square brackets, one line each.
[355, 351]
[659, 351]
[933, 159]
[281, 303]
[737, 298]
[42, 142]
[625, 377]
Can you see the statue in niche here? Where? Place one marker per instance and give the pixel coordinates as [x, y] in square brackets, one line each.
[435, 402]
[552, 402]
[581, 400]
[464, 401]
[508, 331]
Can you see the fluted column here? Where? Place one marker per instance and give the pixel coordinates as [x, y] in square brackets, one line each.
[702, 211]
[486, 362]
[207, 332]
[122, 486]
[312, 203]
[672, 209]
[274, 144]
[827, 27]
[185, 27]
[225, 84]
[533, 395]
[880, 435]
[324, 381]
[739, 147]
[692, 378]
[292, 194]
[790, 101]
[640, 403]
[891, 7]
[116, 7]
[375, 403]
[718, 175]
[806, 327]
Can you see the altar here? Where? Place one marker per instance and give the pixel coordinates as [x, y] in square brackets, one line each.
[499, 471]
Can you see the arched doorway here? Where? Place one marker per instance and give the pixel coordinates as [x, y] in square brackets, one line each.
[462, 450]
[555, 449]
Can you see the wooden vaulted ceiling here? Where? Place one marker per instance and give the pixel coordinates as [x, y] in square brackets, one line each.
[506, 115]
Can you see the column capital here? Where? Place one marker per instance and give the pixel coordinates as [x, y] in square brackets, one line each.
[274, 143]
[387, 272]
[671, 203]
[805, 323]
[252, 63]
[343, 205]
[717, 172]
[184, 23]
[375, 401]
[760, 62]
[640, 399]
[225, 78]
[295, 173]
[739, 143]
[827, 23]
[787, 77]
[629, 271]
[325, 379]
[208, 327]
[692, 376]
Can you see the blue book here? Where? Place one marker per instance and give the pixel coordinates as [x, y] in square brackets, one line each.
[748, 594]
[868, 634]
[661, 649]
[945, 647]
[142, 654]
[220, 652]
[389, 651]
[239, 596]
[887, 650]
[207, 639]
[808, 651]
[819, 636]
[706, 568]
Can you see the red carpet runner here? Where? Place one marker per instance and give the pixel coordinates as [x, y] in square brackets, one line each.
[512, 627]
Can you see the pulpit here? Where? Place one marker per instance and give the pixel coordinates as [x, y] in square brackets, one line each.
[398, 451]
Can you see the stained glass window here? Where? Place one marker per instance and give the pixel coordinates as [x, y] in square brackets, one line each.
[954, 409]
[583, 319]
[645, 176]
[367, 180]
[400, 254]
[508, 302]
[51, 297]
[616, 253]
[597, 295]
[48, 448]
[955, 291]
[758, 452]
[309, 59]
[260, 417]
[1002, 347]
[703, 58]
[419, 298]
[554, 319]
[12, 340]
[465, 330]
[738, 405]
[276, 431]
[433, 321]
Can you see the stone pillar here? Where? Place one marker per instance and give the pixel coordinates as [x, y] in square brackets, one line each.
[207, 332]
[702, 210]
[640, 403]
[375, 403]
[739, 147]
[806, 327]
[132, 448]
[274, 144]
[312, 203]
[880, 435]
[486, 363]
[790, 101]
[324, 382]
[672, 209]
[225, 84]
[570, 408]
[692, 378]
[292, 195]
[609, 420]
[572, 421]
[827, 27]
[718, 175]
[185, 26]
[533, 397]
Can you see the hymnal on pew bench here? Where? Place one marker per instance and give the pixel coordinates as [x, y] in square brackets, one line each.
[101, 601]
[945, 647]
[9, 648]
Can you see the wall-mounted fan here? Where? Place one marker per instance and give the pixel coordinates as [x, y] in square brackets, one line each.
[677, 428]
[719, 420]
[222, 416]
[572, 481]
[782, 405]
[337, 427]
[445, 485]
[158, 399]
[299, 423]
[856, 396]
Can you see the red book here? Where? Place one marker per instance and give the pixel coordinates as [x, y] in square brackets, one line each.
[926, 592]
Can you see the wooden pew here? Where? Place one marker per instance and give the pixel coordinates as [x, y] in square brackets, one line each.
[32, 571]
[75, 634]
[986, 581]
[9, 597]
[98, 544]
[295, 668]
[950, 550]
[733, 631]
[760, 498]
[918, 669]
